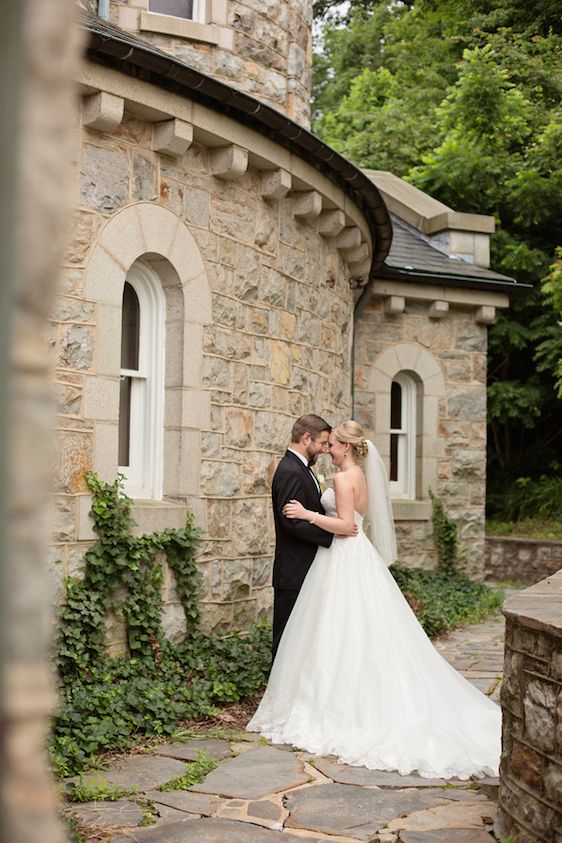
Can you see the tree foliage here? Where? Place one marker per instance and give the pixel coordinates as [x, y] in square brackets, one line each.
[462, 98]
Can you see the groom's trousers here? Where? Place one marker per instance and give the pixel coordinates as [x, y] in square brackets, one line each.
[283, 602]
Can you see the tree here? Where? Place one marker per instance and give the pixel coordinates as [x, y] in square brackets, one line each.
[463, 99]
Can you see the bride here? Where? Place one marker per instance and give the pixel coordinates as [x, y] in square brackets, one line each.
[355, 675]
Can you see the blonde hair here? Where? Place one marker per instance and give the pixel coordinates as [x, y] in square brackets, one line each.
[351, 433]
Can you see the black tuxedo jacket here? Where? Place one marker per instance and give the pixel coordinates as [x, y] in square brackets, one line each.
[296, 541]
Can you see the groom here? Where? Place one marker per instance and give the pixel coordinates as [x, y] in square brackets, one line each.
[296, 541]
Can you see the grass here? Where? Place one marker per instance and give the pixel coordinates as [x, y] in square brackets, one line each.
[96, 790]
[526, 528]
[195, 772]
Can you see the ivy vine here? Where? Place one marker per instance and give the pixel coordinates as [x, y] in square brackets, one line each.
[108, 701]
[123, 574]
[445, 536]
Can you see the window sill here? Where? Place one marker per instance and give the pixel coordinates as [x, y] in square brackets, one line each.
[405, 510]
[192, 30]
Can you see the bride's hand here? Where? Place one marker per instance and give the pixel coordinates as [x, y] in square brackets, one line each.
[295, 509]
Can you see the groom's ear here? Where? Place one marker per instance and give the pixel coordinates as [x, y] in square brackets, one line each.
[306, 438]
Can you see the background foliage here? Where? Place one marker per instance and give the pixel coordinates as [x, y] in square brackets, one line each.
[462, 99]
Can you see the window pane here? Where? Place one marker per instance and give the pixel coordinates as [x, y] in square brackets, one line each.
[176, 8]
[130, 330]
[394, 455]
[124, 421]
[395, 406]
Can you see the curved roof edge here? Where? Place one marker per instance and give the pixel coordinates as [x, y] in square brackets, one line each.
[115, 48]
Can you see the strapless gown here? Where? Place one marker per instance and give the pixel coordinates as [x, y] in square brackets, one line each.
[357, 677]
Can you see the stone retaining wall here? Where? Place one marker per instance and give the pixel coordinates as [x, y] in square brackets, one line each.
[524, 560]
[530, 799]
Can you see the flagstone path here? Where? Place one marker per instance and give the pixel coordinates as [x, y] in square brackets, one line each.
[269, 794]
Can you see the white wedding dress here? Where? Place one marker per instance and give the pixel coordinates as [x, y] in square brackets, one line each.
[357, 677]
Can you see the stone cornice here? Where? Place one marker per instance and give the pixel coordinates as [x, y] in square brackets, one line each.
[113, 48]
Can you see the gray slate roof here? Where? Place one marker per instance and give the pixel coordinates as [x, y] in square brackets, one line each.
[411, 254]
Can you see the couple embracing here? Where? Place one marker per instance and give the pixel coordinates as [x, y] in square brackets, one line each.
[354, 675]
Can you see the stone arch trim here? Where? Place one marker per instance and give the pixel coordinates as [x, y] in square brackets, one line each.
[155, 234]
[148, 229]
[419, 362]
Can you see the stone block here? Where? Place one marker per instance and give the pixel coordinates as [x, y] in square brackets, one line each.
[275, 184]
[108, 340]
[486, 315]
[104, 179]
[273, 287]
[349, 238]
[331, 223]
[102, 111]
[394, 305]
[252, 515]
[239, 427]
[143, 179]
[228, 162]
[220, 479]
[76, 348]
[539, 705]
[247, 283]
[101, 398]
[307, 205]
[438, 309]
[237, 578]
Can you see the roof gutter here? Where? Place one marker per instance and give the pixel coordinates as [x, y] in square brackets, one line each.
[110, 46]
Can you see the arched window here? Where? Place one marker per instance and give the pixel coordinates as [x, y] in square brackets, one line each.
[403, 436]
[141, 404]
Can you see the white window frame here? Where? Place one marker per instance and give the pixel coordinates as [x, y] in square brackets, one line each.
[405, 486]
[143, 475]
[199, 12]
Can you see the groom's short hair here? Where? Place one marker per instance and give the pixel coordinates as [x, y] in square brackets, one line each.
[309, 424]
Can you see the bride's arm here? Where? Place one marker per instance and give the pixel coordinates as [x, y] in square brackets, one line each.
[344, 524]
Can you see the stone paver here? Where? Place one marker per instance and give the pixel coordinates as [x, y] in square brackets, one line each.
[185, 800]
[205, 831]
[140, 772]
[258, 792]
[108, 814]
[254, 774]
[216, 749]
[447, 835]
[351, 810]
[344, 774]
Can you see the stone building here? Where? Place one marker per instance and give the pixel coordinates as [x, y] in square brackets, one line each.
[228, 271]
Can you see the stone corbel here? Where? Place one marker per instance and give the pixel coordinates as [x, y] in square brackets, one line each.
[394, 305]
[172, 137]
[275, 184]
[486, 315]
[331, 223]
[349, 238]
[229, 162]
[307, 205]
[359, 273]
[102, 111]
[358, 255]
[438, 309]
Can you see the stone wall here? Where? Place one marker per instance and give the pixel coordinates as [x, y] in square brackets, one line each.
[262, 48]
[524, 560]
[275, 344]
[447, 358]
[530, 798]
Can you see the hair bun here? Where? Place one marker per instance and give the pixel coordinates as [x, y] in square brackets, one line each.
[362, 449]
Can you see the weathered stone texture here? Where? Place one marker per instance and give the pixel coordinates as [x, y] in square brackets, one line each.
[456, 436]
[524, 560]
[531, 766]
[270, 56]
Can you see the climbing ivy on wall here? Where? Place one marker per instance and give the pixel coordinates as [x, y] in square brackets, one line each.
[123, 574]
[106, 701]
